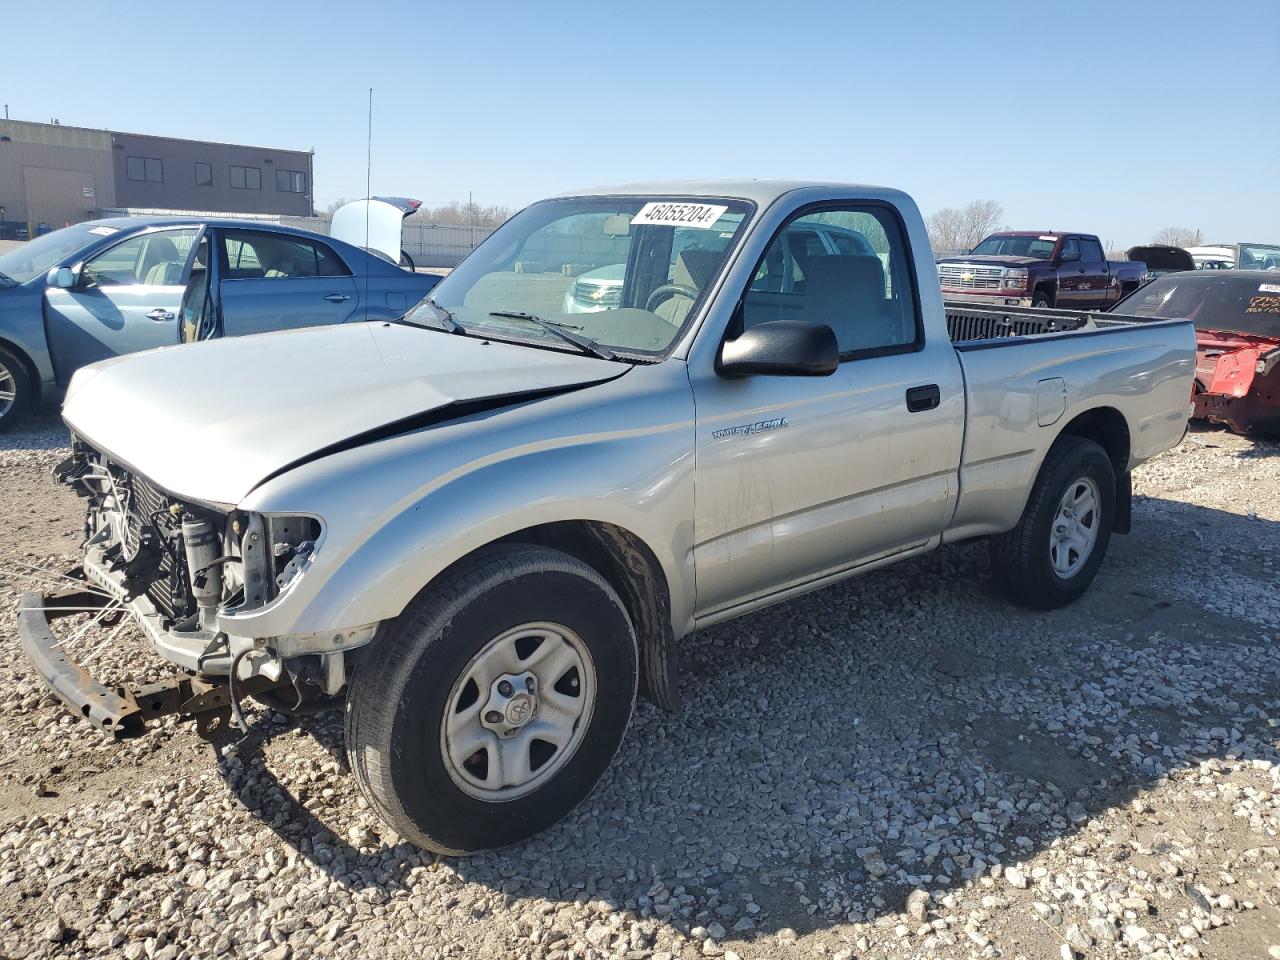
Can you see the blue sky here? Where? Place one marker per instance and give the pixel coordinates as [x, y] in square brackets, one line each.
[1113, 117]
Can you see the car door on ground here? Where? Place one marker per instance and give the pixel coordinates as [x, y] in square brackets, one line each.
[273, 281]
[801, 477]
[125, 299]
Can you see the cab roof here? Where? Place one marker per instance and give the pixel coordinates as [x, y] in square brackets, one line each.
[761, 192]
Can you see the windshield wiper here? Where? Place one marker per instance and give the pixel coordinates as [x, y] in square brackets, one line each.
[447, 323]
[585, 344]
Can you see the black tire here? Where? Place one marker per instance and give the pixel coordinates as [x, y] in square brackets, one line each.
[396, 701]
[1043, 298]
[13, 370]
[1021, 567]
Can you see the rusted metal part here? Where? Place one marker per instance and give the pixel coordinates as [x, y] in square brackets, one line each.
[114, 711]
[121, 711]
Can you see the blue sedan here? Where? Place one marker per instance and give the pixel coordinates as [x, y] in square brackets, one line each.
[96, 290]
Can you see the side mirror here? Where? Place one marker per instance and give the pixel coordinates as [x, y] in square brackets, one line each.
[781, 348]
[64, 278]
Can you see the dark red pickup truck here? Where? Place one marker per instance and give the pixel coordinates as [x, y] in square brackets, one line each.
[1043, 269]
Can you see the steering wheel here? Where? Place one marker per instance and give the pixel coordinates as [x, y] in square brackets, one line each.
[667, 291]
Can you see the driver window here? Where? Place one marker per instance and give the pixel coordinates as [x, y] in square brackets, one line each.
[1070, 250]
[156, 258]
[850, 289]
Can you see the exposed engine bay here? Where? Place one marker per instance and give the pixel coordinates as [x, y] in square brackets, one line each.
[181, 568]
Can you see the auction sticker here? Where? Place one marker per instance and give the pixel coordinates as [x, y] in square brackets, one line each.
[1269, 288]
[701, 216]
[103, 231]
[1263, 305]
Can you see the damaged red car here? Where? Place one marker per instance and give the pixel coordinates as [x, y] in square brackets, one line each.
[1237, 318]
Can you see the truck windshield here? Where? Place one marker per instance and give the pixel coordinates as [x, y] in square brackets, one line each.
[36, 256]
[624, 272]
[1040, 248]
[1212, 301]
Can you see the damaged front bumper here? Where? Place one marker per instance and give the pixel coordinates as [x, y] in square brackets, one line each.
[195, 579]
[210, 650]
[121, 711]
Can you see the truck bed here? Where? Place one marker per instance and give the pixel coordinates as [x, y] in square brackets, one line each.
[968, 321]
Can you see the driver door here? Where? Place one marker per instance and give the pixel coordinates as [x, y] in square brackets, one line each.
[801, 478]
[125, 299]
[1073, 284]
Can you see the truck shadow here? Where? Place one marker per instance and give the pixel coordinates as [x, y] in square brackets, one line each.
[907, 729]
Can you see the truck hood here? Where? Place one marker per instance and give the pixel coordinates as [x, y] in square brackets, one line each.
[210, 421]
[1002, 261]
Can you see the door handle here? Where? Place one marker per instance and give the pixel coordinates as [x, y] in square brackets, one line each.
[338, 297]
[923, 398]
[160, 315]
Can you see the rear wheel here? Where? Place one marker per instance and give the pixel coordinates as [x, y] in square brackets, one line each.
[1051, 557]
[15, 387]
[492, 706]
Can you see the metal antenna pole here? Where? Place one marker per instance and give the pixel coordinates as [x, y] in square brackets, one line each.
[368, 197]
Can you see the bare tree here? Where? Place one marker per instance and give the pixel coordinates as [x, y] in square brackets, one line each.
[465, 214]
[327, 212]
[1177, 237]
[954, 231]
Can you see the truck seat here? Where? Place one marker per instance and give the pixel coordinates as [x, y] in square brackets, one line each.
[693, 268]
[847, 294]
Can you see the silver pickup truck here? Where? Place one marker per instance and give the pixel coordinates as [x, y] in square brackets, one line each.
[483, 528]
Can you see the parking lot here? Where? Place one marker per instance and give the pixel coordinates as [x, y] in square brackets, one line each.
[902, 765]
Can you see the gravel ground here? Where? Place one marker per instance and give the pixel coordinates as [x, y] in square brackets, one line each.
[901, 766]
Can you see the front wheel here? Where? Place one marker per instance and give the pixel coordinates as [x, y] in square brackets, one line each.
[1043, 299]
[1051, 557]
[493, 705]
[15, 388]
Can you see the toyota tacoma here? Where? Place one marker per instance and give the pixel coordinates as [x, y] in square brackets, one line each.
[484, 528]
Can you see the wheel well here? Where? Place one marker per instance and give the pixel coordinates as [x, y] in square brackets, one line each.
[33, 376]
[633, 571]
[1107, 427]
[1046, 286]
